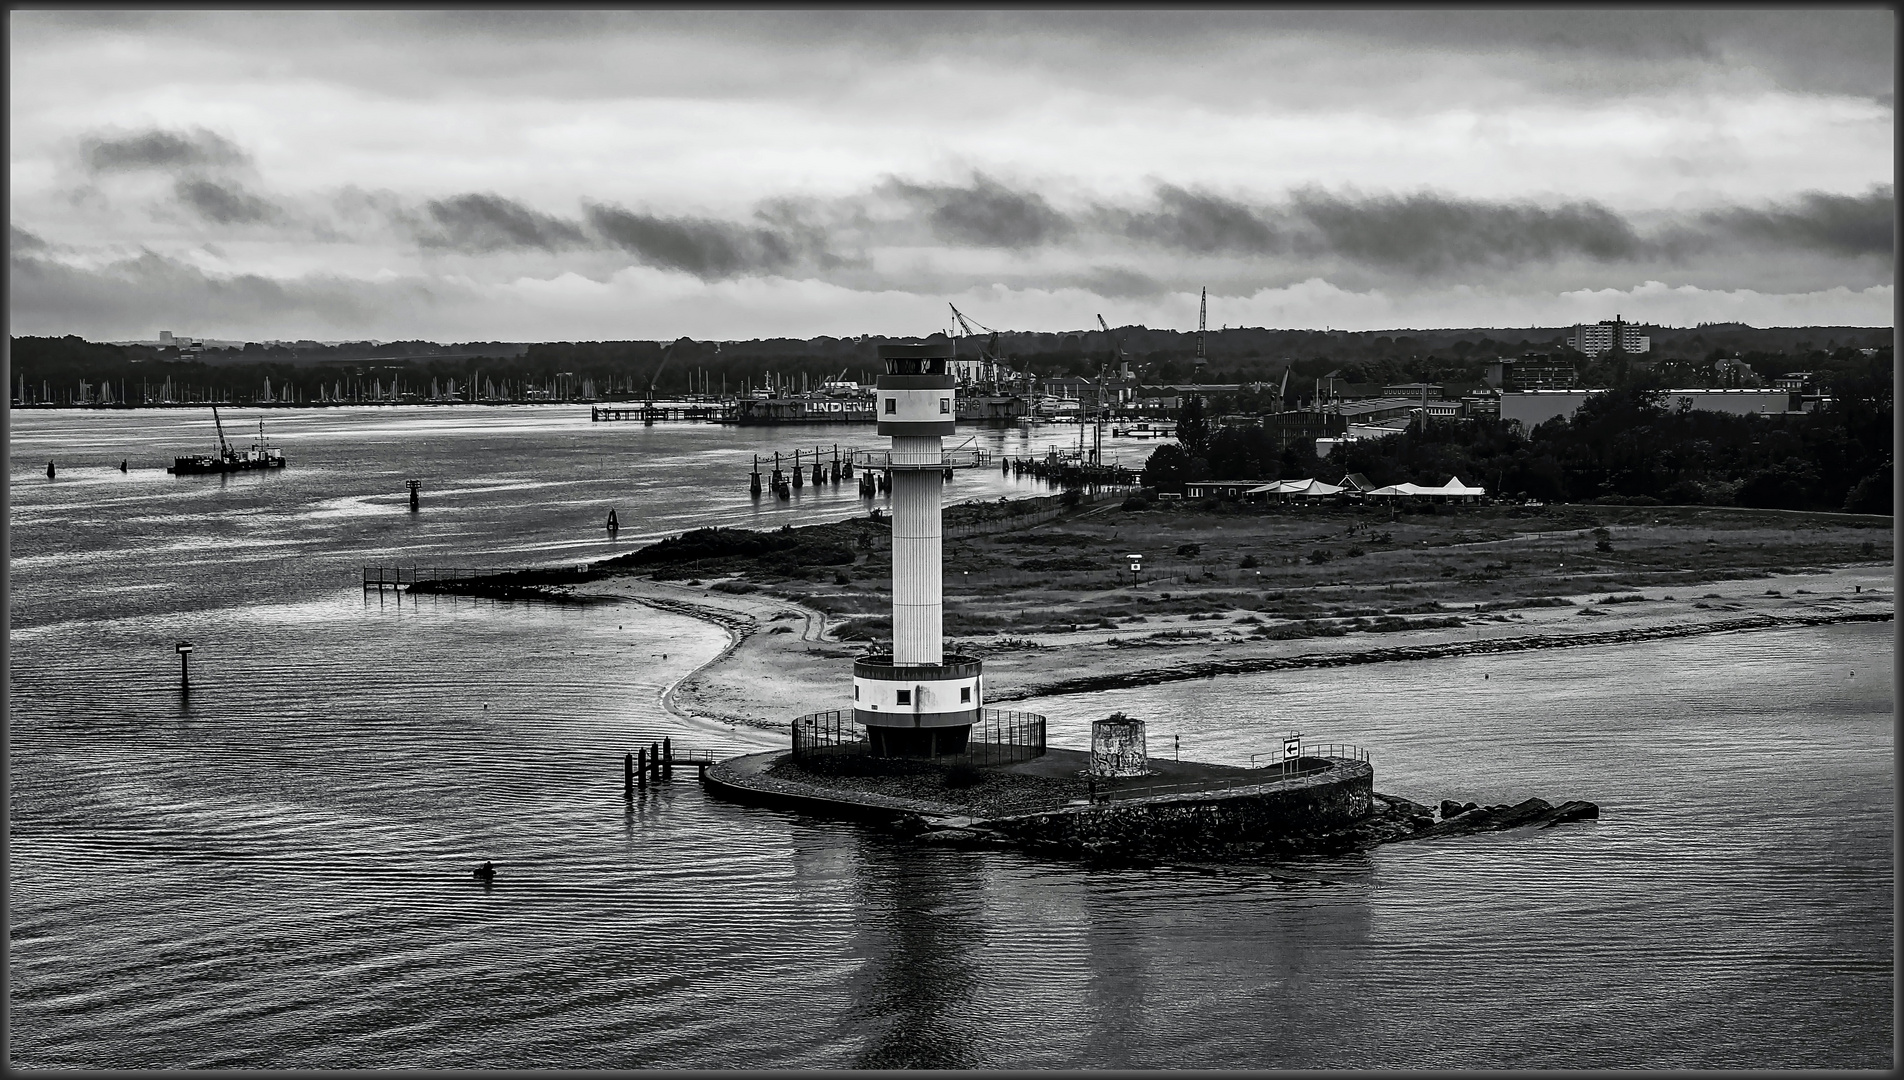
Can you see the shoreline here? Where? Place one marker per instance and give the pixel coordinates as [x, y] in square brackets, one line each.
[781, 660]
[1402, 653]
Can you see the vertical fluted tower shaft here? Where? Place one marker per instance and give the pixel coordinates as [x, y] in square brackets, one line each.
[917, 548]
[919, 701]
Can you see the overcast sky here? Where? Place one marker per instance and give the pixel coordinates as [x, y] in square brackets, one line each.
[726, 175]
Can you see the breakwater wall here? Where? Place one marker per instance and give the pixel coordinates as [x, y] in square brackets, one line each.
[1199, 824]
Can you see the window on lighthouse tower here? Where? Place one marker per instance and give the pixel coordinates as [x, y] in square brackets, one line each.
[945, 404]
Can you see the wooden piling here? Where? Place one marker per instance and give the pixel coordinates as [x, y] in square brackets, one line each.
[667, 759]
[654, 761]
[628, 774]
[641, 766]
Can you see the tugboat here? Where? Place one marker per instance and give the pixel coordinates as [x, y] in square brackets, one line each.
[229, 459]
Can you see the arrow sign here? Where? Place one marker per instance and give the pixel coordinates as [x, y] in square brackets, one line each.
[1292, 747]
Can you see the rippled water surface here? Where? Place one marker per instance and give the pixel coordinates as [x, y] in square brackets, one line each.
[274, 870]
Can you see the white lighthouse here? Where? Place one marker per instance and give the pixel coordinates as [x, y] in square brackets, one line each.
[919, 701]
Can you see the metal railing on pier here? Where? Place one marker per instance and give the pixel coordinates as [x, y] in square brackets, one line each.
[958, 457]
[404, 577]
[1314, 761]
[1000, 737]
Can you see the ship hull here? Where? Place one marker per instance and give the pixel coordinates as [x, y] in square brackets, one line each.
[205, 466]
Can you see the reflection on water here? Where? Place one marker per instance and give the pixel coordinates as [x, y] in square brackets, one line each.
[274, 871]
[916, 987]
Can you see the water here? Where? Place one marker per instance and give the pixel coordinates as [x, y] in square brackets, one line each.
[274, 871]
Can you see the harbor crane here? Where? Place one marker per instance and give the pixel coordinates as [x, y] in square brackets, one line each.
[1203, 328]
[652, 379]
[987, 352]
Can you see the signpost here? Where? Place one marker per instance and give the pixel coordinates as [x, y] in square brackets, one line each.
[1292, 749]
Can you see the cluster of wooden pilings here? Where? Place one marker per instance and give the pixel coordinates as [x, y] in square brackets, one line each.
[822, 472]
[654, 762]
[1068, 472]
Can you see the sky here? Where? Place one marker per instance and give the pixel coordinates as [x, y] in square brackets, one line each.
[725, 175]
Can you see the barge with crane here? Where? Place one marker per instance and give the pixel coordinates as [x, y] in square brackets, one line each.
[229, 458]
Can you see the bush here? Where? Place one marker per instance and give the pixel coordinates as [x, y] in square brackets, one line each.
[1320, 556]
[1189, 549]
[842, 578]
[736, 587]
[1248, 563]
[700, 544]
[1071, 497]
[1356, 553]
[1871, 495]
[1685, 493]
[1783, 487]
[1061, 562]
[1136, 502]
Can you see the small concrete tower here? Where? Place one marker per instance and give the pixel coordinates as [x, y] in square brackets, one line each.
[919, 701]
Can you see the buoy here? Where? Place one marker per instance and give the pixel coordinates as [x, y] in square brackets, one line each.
[122, 466]
[613, 526]
[485, 872]
[49, 470]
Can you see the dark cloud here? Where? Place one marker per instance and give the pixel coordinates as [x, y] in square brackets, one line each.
[19, 240]
[1426, 232]
[159, 149]
[1118, 283]
[1816, 221]
[224, 203]
[984, 213]
[1196, 222]
[706, 248]
[132, 296]
[480, 222]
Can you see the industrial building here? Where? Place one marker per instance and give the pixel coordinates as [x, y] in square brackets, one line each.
[1533, 372]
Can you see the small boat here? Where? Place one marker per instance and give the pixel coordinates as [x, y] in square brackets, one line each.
[229, 458]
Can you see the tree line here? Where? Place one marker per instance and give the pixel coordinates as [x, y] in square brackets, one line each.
[1621, 445]
[1457, 358]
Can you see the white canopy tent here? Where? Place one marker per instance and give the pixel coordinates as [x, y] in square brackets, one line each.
[1453, 489]
[1303, 488]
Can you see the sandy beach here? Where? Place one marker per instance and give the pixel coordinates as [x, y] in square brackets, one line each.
[782, 661]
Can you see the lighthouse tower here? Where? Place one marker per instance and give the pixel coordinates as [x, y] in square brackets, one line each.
[920, 701]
